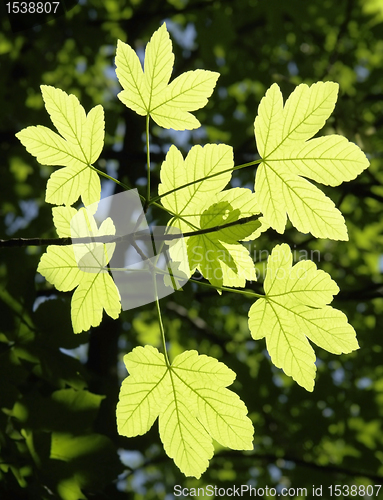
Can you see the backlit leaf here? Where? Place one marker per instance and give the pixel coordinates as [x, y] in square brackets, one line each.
[282, 135]
[213, 253]
[202, 205]
[294, 311]
[200, 162]
[82, 266]
[192, 402]
[77, 148]
[147, 92]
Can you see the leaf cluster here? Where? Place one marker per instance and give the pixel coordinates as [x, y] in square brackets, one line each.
[189, 396]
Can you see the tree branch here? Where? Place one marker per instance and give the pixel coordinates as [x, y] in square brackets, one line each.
[140, 235]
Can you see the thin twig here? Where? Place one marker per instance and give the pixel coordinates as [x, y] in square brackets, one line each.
[140, 235]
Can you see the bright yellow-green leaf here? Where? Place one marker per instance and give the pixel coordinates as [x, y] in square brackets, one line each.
[192, 403]
[244, 200]
[131, 78]
[282, 135]
[82, 266]
[336, 160]
[92, 256]
[188, 92]
[188, 202]
[95, 293]
[61, 220]
[212, 253]
[269, 121]
[77, 148]
[201, 205]
[147, 92]
[294, 310]
[158, 64]
[200, 162]
[59, 266]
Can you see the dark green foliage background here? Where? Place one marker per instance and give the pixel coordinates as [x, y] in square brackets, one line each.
[58, 434]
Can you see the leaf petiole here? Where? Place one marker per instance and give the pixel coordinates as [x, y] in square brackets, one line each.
[227, 289]
[238, 167]
[161, 326]
[124, 186]
[147, 160]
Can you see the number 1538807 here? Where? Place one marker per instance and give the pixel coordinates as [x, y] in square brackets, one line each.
[32, 7]
[354, 490]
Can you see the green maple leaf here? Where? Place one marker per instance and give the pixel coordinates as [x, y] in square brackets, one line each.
[294, 310]
[148, 92]
[216, 254]
[288, 156]
[201, 205]
[82, 266]
[200, 162]
[192, 402]
[175, 276]
[77, 148]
